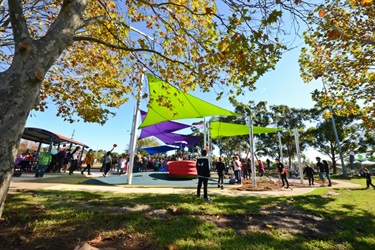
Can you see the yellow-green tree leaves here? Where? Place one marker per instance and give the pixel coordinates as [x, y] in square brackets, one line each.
[341, 54]
[226, 45]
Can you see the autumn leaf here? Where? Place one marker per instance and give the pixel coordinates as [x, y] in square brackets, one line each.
[322, 13]
[111, 5]
[208, 10]
[333, 34]
[363, 2]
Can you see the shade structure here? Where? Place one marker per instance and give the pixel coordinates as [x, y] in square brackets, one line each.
[176, 139]
[224, 129]
[160, 128]
[177, 104]
[159, 149]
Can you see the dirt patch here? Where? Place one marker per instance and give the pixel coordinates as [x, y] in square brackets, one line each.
[282, 217]
[123, 241]
[267, 184]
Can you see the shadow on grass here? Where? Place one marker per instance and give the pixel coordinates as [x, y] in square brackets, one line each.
[60, 220]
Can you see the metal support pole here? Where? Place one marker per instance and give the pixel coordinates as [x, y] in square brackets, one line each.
[338, 142]
[204, 134]
[252, 151]
[336, 136]
[209, 146]
[134, 132]
[296, 137]
[281, 148]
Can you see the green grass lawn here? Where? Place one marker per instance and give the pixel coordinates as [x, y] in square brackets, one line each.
[323, 219]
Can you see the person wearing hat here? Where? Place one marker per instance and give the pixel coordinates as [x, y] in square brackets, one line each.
[368, 178]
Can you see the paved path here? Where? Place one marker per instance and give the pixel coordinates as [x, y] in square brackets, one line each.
[147, 182]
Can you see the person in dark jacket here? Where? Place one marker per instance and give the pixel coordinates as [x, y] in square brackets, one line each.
[368, 178]
[203, 170]
[282, 171]
[309, 172]
[326, 169]
[220, 167]
[320, 168]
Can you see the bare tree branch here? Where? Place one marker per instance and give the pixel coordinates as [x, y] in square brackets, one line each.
[114, 46]
[20, 31]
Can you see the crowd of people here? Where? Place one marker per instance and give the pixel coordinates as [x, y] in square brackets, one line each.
[68, 159]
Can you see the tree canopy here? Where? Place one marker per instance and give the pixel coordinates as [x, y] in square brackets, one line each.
[190, 44]
[340, 53]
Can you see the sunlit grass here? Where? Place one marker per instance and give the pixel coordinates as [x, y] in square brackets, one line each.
[48, 218]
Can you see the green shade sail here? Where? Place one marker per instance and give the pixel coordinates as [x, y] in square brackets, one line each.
[223, 129]
[176, 104]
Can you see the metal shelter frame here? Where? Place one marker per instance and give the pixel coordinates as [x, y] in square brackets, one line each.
[43, 136]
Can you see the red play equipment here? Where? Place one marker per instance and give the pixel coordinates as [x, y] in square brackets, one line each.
[182, 169]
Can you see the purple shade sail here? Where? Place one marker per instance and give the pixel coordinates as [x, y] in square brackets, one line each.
[171, 139]
[160, 128]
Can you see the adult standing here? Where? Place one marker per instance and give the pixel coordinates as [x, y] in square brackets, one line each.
[320, 168]
[107, 163]
[74, 160]
[89, 159]
[203, 170]
[282, 171]
[309, 171]
[326, 170]
[60, 159]
[220, 168]
[237, 169]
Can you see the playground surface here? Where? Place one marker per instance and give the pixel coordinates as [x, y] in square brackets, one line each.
[146, 182]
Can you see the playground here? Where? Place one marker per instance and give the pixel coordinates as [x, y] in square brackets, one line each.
[161, 182]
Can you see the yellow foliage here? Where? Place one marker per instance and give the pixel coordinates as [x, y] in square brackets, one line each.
[363, 2]
[112, 5]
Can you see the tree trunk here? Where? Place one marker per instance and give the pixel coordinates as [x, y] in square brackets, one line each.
[19, 89]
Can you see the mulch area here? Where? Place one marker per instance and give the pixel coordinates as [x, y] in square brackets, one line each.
[266, 184]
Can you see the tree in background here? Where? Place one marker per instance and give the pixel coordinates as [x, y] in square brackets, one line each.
[288, 119]
[147, 142]
[341, 54]
[322, 137]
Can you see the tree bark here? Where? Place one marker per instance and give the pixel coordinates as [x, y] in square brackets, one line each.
[21, 82]
[18, 92]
